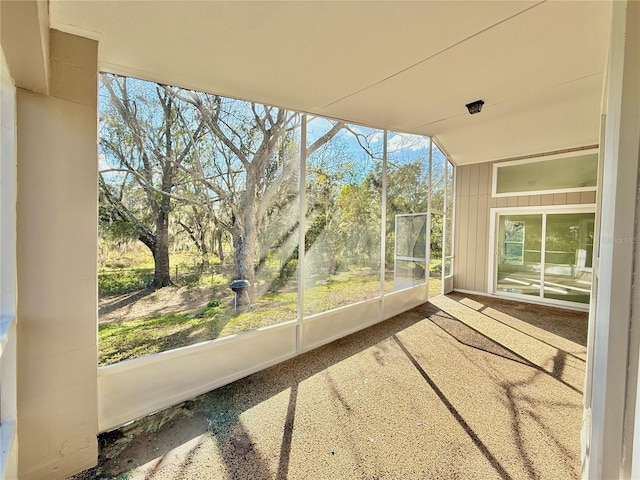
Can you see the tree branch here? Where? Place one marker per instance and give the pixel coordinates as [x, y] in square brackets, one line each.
[325, 138]
[145, 235]
[208, 117]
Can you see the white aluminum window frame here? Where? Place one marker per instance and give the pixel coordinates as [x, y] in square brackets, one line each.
[498, 165]
[427, 251]
[449, 165]
[494, 214]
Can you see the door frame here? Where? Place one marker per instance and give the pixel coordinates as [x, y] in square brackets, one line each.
[426, 259]
[494, 214]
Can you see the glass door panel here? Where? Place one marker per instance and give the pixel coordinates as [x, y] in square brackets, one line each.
[519, 254]
[568, 256]
[410, 250]
[435, 254]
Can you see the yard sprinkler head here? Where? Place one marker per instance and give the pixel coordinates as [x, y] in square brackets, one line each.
[239, 287]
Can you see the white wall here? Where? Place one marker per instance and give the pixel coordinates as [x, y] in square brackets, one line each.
[57, 265]
[473, 204]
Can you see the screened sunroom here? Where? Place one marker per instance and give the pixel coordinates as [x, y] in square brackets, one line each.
[370, 208]
[322, 152]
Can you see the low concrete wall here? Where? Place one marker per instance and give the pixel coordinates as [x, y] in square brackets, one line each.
[135, 388]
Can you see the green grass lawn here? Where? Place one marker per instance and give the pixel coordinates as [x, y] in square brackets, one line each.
[129, 339]
[124, 340]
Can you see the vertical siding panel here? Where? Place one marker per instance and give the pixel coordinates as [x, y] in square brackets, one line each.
[484, 179]
[464, 180]
[559, 198]
[523, 201]
[546, 199]
[512, 201]
[502, 202]
[458, 183]
[462, 242]
[472, 243]
[493, 202]
[534, 200]
[573, 197]
[474, 171]
[482, 243]
[466, 245]
[471, 226]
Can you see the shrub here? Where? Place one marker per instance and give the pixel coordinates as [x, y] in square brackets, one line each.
[289, 269]
[436, 266]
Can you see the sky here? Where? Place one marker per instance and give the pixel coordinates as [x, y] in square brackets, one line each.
[401, 147]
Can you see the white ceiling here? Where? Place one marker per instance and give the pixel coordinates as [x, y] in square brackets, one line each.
[407, 66]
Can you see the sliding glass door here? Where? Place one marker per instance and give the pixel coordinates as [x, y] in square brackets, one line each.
[519, 254]
[568, 256]
[545, 253]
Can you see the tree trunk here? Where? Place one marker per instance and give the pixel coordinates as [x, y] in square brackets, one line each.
[218, 236]
[198, 236]
[203, 247]
[245, 256]
[245, 243]
[161, 276]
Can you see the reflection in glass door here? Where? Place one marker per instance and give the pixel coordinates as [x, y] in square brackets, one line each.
[562, 242]
[568, 256]
[519, 254]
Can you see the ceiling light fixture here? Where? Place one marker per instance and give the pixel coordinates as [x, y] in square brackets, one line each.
[475, 107]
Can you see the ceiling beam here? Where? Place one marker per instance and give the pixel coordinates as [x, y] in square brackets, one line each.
[24, 34]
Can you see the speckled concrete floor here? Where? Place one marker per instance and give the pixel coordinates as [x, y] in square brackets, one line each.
[463, 387]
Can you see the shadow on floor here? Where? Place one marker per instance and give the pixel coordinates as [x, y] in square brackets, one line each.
[175, 435]
[569, 324]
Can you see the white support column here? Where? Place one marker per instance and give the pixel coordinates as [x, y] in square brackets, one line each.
[57, 222]
[631, 140]
[302, 228]
[617, 311]
[383, 221]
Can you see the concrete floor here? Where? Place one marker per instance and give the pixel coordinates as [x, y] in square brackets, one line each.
[462, 387]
